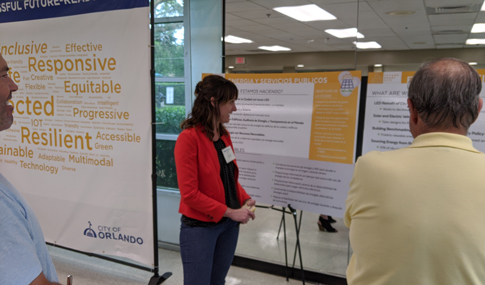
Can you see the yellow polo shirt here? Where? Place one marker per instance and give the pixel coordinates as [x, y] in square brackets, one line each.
[417, 215]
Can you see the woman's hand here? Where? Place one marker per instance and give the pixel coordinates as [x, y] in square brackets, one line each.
[241, 215]
[250, 203]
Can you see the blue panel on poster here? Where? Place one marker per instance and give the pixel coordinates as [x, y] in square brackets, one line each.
[25, 10]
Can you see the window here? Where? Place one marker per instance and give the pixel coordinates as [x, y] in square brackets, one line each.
[170, 85]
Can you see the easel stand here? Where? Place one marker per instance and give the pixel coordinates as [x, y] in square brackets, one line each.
[297, 246]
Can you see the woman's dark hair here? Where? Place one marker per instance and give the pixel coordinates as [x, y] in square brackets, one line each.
[204, 110]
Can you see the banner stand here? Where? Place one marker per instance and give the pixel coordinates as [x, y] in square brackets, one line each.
[156, 278]
[102, 257]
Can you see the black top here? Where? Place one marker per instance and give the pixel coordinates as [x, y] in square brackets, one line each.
[229, 182]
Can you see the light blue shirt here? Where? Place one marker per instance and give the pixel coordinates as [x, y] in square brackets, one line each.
[23, 253]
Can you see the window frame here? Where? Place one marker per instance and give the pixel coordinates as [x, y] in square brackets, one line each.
[185, 20]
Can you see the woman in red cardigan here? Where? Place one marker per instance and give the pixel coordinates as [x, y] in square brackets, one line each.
[212, 203]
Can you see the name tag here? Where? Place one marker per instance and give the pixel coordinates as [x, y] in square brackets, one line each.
[228, 154]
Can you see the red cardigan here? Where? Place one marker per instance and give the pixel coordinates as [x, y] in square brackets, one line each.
[198, 174]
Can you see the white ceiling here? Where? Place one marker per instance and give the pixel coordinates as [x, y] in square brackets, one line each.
[425, 29]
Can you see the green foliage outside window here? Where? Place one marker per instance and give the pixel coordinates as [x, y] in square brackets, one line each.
[161, 94]
[169, 63]
[165, 164]
[168, 8]
[169, 50]
[169, 118]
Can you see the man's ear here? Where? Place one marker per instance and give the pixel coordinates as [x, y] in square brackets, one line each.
[413, 113]
[480, 105]
[213, 101]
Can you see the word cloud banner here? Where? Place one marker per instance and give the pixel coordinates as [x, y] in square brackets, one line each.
[386, 125]
[80, 146]
[294, 137]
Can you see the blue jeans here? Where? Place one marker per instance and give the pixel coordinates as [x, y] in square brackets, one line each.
[207, 253]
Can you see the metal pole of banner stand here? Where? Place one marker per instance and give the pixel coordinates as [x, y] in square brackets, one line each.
[156, 278]
[223, 56]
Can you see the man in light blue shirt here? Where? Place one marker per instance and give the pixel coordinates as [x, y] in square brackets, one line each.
[24, 258]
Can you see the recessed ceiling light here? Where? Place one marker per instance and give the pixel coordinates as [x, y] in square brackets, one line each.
[300, 65]
[344, 33]
[230, 67]
[472, 63]
[400, 13]
[475, 42]
[274, 48]
[377, 65]
[306, 13]
[236, 40]
[366, 45]
[478, 28]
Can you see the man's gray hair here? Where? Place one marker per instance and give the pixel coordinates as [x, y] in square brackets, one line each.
[445, 92]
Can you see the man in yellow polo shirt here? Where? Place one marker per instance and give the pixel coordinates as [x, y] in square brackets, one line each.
[417, 215]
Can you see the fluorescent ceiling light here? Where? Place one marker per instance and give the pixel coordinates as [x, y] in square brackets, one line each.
[306, 13]
[475, 42]
[472, 63]
[231, 67]
[236, 40]
[377, 65]
[300, 65]
[274, 48]
[483, 7]
[366, 45]
[478, 28]
[344, 33]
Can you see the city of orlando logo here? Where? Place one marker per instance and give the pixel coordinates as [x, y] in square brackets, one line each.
[89, 231]
[111, 233]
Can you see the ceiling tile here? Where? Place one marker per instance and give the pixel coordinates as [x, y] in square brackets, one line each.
[263, 14]
[270, 4]
[249, 19]
[450, 3]
[377, 32]
[308, 31]
[236, 7]
[448, 46]
[241, 23]
[231, 17]
[480, 18]
[459, 39]
[279, 22]
[323, 25]
[382, 7]
[321, 3]
[418, 37]
[452, 19]
[466, 29]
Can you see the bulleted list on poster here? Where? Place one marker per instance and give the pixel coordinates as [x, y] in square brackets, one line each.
[387, 114]
[294, 137]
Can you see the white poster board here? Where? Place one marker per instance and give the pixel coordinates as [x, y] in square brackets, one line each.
[80, 147]
[386, 124]
[294, 137]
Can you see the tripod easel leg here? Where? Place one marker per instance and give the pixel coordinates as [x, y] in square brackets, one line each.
[281, 223]
[286, 254]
